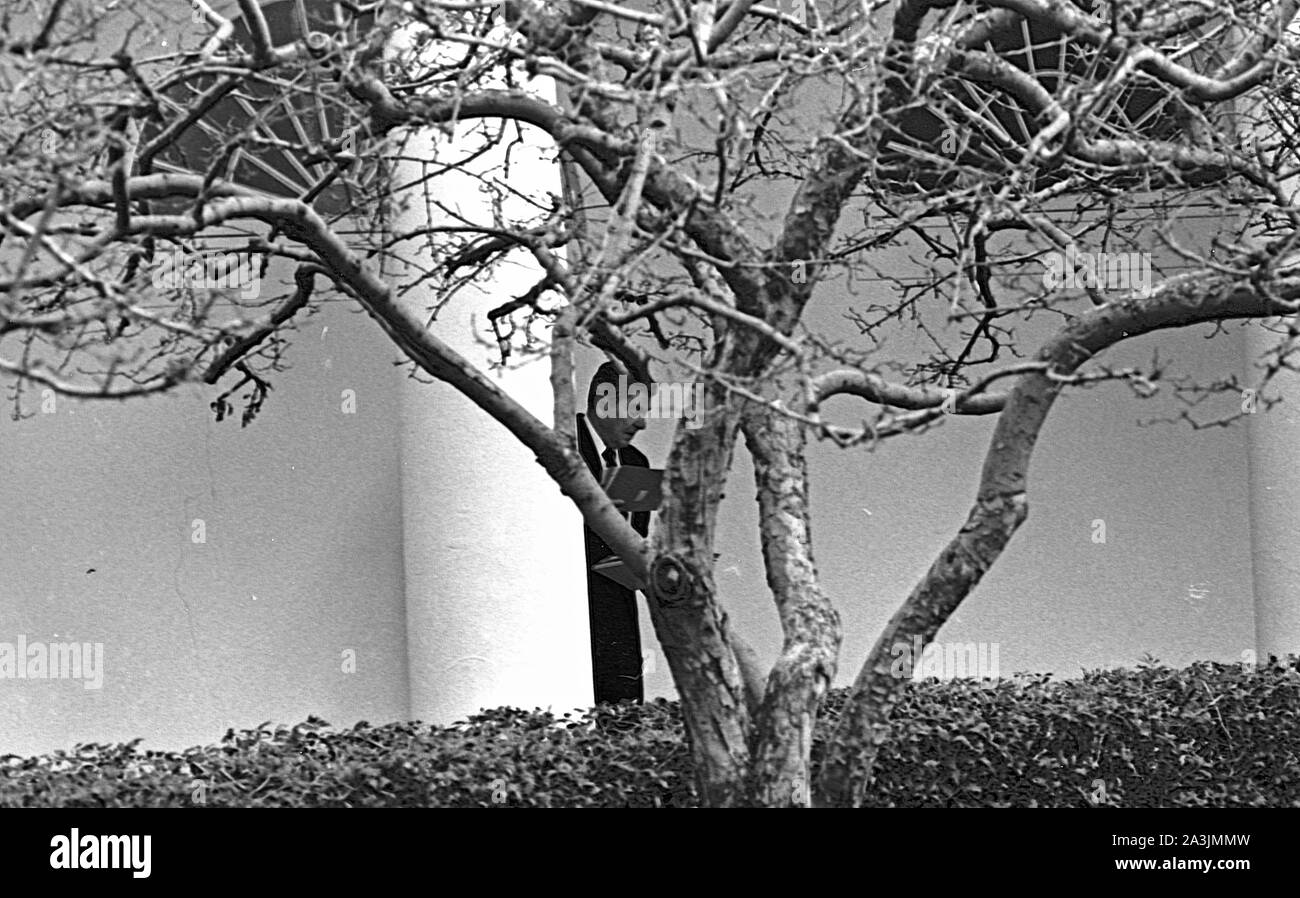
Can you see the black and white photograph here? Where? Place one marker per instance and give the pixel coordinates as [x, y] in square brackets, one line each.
[660, 404]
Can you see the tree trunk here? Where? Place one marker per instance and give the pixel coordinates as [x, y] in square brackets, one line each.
[784, 725]
[691, 625]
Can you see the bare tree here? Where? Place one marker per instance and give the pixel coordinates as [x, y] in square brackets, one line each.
[729, 164]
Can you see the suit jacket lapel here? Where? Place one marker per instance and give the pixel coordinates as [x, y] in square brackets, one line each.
[628, 455]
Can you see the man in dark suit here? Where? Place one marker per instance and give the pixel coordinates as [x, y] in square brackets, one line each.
[615, 633]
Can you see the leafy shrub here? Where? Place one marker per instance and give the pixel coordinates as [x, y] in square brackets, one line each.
[1210, 735]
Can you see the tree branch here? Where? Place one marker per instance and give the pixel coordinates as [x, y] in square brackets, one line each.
[1002, 503]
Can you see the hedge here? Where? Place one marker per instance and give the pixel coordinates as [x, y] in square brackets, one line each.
[1209, 735]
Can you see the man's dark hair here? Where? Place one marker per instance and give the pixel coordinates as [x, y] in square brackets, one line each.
[607, 373]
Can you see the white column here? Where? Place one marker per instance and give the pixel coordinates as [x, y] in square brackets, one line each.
[1274, 449]
[496, 590]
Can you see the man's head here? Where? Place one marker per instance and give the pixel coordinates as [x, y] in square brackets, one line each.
[607, 406]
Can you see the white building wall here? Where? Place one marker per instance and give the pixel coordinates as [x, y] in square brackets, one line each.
[405, 560]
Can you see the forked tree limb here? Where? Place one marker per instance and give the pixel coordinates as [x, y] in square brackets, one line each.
[1002, 504]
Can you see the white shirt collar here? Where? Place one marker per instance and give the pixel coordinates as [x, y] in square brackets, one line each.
[599, 440]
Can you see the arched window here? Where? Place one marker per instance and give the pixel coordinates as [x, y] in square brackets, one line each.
[288, 134]
[978, 124]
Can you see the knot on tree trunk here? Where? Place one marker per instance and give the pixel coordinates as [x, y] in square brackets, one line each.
[670, 580]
